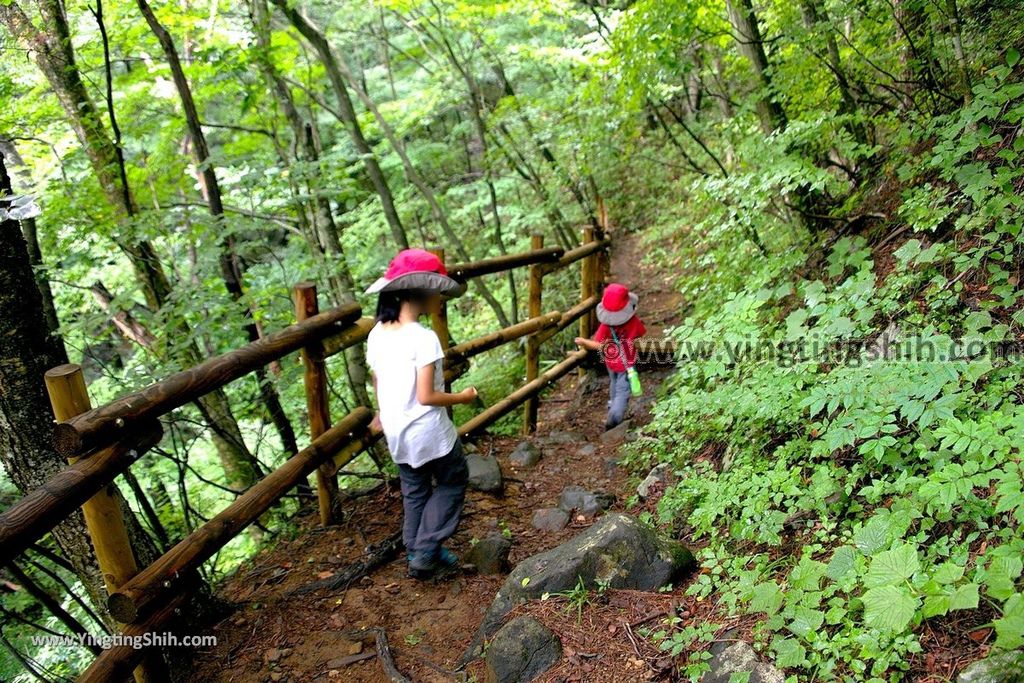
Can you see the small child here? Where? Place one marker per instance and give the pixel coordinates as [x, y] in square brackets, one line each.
[615, 337]
[408, 378]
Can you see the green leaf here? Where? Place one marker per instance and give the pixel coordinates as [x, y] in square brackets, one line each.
[873, 536]
[947, 573]
[766, 598]
[842, 563]
[806, 621]
[1010, 627]
[892, 566]
[1012, 57]
[739, 677]
[789, 652]
[935, 606]
[889, 608]
[965, 597]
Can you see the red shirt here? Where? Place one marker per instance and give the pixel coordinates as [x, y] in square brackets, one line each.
[627, 332]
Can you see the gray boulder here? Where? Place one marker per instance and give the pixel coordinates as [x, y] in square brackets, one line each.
[587, 450]
[587, 503]
[484, 473]
[560, 438]
[1003, 667]
[521, 651]
[490, 555]
[740, 658]
[617, 550]
[550, 519]
[525, 455]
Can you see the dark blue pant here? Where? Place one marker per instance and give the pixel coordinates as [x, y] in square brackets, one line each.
[432, 497]
[618, 399]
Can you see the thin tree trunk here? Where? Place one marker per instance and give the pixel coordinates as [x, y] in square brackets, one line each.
[751, 45]
[348, 116]
[230, 265]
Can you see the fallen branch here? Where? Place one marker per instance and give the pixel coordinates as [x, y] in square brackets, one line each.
[387, 660]
[376, 555]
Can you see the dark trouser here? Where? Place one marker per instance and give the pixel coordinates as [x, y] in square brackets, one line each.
[432, 496]
[618, 399]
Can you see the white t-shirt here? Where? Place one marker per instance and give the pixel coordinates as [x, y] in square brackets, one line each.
[415, 433]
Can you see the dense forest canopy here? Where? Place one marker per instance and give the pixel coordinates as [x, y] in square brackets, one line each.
[810, 169]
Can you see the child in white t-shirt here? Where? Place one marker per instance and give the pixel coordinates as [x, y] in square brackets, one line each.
[408, 377]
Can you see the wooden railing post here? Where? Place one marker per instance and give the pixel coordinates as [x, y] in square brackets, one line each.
[533, 341]
[439, 321]
[317, 403]
[588, 272]
[104, 519]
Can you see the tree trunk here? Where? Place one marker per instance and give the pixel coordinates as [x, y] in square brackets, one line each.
[27, 350]
[348, 116]
[342, 78]
[230, 265]
[28, 227]
[751, 45]
[55, 57]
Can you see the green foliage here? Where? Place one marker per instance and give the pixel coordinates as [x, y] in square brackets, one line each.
[864, 475]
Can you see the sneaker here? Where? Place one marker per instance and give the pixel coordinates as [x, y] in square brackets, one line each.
[447, 559]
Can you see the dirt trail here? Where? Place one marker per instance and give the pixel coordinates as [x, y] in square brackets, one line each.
[274, 635]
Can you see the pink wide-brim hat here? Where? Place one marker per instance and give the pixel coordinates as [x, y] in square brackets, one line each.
[417, 269]
[617, 305]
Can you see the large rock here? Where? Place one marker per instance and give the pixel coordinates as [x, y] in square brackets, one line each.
[484, 473]
[490, 555]
[560, 438]
[521, 651]
[740, 658]
[617, 550]
[1004, 667]
[550, 519]
[587, 503]
[525, 455]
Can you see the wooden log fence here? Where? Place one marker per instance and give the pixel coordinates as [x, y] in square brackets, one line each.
[102, 443]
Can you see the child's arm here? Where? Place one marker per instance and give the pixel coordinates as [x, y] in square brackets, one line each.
[588, 343]
[428, 396]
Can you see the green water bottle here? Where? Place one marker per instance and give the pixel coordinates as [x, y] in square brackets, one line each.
[634, 382]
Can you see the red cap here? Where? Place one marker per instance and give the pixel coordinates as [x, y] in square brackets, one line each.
[616, 297]
[416, 269]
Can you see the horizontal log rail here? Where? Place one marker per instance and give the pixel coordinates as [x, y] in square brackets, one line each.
[101, 426]
[116, 663]
[569, 317]
[476, 346]
[356, 333]
[571, 257]
[506, 405]
[137, 597]
[467, 271]
[47, 506]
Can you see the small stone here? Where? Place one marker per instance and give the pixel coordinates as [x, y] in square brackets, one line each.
[658, 476]
[521, 651]
[588, 449]
[562, 437]
[285, 651]
[525, 455]
[611, 466]
[272, 655]
[740, 658]
[616, 435]
[550, 519]
[366, 581]
[490, 555]
[484, 473]
[277, 676]
[585, 502]
[355, 648]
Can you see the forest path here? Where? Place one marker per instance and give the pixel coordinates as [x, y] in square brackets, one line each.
[274, 634]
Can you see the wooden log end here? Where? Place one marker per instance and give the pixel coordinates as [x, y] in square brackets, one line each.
[66, 440]
[122, 608]
[62, 371]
